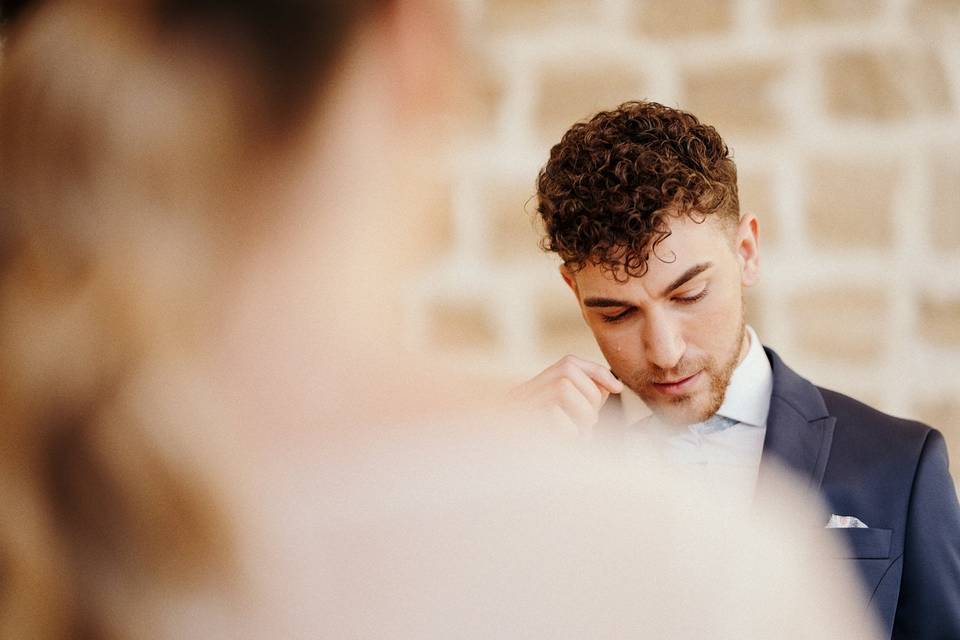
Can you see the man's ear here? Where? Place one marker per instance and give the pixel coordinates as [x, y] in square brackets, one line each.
[747, 248]
[569, 278]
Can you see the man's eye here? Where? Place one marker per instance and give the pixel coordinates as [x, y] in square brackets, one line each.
[691, 299]
[616, 316]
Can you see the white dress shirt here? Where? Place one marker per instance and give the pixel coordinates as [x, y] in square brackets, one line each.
[725, 449]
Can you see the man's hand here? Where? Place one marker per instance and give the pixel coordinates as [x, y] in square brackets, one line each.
[572, 390]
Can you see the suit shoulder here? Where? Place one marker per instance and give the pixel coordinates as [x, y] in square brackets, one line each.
[849, 411]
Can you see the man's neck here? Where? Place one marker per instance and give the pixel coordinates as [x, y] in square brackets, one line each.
[744, 345]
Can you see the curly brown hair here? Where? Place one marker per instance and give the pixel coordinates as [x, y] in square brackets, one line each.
[611, 183]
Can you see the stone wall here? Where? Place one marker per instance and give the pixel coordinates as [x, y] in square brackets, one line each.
[844, 118]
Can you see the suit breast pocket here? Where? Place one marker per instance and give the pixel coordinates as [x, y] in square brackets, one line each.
[861, 543]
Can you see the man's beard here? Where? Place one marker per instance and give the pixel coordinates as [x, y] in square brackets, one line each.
[677, 410]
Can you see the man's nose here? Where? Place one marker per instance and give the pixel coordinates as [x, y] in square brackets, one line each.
[663, 341]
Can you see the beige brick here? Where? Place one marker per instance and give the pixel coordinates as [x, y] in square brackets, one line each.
[936, 15]
[850, 205]
[943, 414]
[428, 229]
[571, 93]
[484, 99]
[886, 85]
[459, 325]
[514, 16]
[945, 211]
[939, 321]
[797, 12]
[739, 98]
[840, 324]
[757, 197]
[560, 326]
[671, 18]
[870, 396]
[512, 213]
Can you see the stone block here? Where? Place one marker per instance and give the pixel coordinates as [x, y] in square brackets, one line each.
[842, 323]
[939, 321]
[427, 229]
[462, 325]
[944, 213]
[738, 98]
[561, 328]
[936, 16]
[850, 204]
[757, 197]
[885, 85]
[569, 93]
[513, 221]
[520, 16]
[788, 13]
[483, 99]
[943, 414]
[678, 18]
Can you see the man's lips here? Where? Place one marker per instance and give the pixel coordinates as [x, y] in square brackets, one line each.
[678, 386]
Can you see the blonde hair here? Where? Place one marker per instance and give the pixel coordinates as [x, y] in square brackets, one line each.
[125, 141]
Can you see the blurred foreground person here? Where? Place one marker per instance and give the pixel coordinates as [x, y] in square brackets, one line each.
[199, 211]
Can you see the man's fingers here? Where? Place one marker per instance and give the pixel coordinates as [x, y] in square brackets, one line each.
[566, 399]
[575, 370]
[574, 386]
[597, 372]
[586, 385]
[574, 404]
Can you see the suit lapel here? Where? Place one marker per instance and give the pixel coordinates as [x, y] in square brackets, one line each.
[799, 427]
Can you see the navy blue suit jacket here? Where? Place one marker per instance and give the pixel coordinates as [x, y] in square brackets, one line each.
[893, 475]
[890, 473]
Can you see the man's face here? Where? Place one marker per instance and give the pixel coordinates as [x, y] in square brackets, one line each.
[676, 334]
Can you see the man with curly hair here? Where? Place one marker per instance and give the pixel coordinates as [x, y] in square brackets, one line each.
[641, 205]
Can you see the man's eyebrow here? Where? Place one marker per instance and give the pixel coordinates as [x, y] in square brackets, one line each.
[686, 276]
[605, 302]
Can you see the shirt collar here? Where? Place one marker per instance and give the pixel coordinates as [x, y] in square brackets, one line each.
[747, 398]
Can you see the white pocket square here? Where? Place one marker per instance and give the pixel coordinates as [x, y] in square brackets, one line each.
[845, 522]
